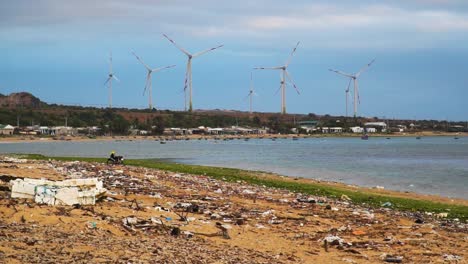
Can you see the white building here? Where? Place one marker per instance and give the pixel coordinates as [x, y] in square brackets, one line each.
[6, 129]
[357, 129]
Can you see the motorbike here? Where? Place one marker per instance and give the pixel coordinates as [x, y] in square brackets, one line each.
[118, 160]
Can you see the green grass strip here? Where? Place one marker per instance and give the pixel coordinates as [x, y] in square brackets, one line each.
[254, 177]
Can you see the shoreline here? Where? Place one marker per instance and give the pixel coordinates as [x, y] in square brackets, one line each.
[33, 138]
[375, 197]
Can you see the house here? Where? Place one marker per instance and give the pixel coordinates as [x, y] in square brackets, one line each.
[6, 129]
[336, 130]
[377, 126]
[62, 131]
[308, 126]
[357, 129]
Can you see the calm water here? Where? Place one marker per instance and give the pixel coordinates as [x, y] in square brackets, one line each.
[433, 165]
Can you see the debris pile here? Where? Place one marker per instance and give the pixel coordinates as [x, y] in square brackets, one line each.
[67, 192]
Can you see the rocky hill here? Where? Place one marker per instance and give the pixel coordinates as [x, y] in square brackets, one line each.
[22, 99]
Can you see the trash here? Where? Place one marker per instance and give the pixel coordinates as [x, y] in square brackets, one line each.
[67, 192]
[247, 191]
[393, 259]
[379, 187]
[328, 207]
[441, 215]
[359, 233]
[175, 231]
[333, 240]
[92, 225]
[450, 257]
[130, 220]
[419, 221]
[387, 204]
[345, 197]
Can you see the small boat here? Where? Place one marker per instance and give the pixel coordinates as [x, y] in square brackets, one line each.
[388, 138]
[365, 137]
[418, 137]
[295, 138]
[455, 138]
[162, 142]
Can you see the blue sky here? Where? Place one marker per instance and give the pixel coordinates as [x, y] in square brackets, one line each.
[58, 50]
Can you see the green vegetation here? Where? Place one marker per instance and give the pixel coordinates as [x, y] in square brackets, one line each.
[256, 178]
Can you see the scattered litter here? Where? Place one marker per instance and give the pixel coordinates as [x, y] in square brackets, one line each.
[393, 259]
[333, 240]
[450, 257]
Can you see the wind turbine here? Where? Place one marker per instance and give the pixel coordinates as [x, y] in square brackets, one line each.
[109, 80]
[188, 73]
[354, 78]
[283, 75]
[148, 85]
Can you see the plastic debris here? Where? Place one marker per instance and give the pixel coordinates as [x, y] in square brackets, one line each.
[67, 192]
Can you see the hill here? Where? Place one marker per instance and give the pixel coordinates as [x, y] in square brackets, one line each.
[21, 99]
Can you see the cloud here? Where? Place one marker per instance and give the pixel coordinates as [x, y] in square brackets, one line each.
[261, 22]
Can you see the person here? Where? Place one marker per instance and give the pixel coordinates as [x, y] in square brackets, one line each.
[112, 156]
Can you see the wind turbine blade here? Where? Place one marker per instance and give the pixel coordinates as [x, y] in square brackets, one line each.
[205, 51]
[278, 90]
[147, 82]
[269, 68]
[108, 79]
[186, 75]
[292, 54]
[365, 68]
[141, 61]
[162, 68]
[349, 84]
[341, 73]
[177, 46]
[292, 82]
[115, 77]
[357, 91]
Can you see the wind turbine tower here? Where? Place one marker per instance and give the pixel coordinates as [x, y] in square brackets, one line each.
[188, 73]
[109, 80]
[148, 85]
[283, 75]
[354, 79]
[251, 93]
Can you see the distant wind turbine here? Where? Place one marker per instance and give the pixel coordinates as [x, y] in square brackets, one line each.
[188, 73]
[148, 85]
[283, 75]
[109, 80]
[354, 78]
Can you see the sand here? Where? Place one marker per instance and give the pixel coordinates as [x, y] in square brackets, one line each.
[276, 226]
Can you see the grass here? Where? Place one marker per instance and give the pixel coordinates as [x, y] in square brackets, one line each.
[256, 178]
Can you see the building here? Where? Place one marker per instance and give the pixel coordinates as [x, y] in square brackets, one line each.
[377, 126]
[308, 126]
[357, 129]
[6, 129]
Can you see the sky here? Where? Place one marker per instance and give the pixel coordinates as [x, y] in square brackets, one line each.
[59, 51]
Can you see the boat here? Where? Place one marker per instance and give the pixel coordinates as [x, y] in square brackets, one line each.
[418, 137]
[365, 137]
[162, 142]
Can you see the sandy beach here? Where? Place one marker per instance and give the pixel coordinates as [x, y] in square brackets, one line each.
[227, 223]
